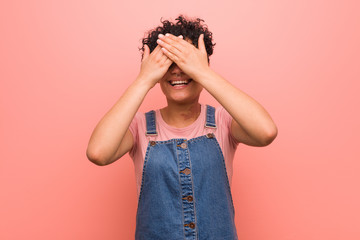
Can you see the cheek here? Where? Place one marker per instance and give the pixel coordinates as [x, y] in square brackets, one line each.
[166, 76]
[163, 83]
[163, 80]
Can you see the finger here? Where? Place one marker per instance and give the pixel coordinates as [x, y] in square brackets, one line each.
[176, 42]
[164, 59]
[182, 43]
[156, 50]
[168, 62]
[201, 44]
[173, 37]
[169, 46]
[146, 51]
[170, 55]
[157, 53]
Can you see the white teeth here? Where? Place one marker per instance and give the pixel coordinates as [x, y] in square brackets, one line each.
[179, 82]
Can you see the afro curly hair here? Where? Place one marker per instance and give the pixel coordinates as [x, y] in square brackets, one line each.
[189, 29]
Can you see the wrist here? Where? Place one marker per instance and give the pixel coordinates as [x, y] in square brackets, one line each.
[144, 83]
[203, 75]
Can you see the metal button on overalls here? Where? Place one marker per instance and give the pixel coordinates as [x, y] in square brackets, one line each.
[189, 198]
[185, 192]
[186, 171]
[183, 145]
[191, 225]
[210, 135]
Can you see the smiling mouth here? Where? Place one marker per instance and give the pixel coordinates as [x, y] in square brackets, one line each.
[179, 82]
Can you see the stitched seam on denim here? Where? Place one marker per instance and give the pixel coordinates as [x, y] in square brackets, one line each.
[150, 123]
[143, 172]
[177, 139]
[224, 165]
[199, 138]
[193, 192]
[181, 193]
[210, 117]
[170, 140]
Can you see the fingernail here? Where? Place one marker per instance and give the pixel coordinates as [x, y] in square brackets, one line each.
[159, 41]
[181, 36]
[160, 36]
[167, 34]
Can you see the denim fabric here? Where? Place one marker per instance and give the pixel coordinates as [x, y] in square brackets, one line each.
[210, 117]
[185, 192]
[150, 123]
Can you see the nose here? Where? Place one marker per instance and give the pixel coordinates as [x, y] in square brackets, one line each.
[174, 69]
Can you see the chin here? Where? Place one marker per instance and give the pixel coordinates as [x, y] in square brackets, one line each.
[183, 99]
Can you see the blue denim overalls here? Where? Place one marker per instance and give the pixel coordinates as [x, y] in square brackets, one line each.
[185, 191]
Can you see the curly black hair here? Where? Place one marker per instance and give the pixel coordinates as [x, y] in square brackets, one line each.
[189, 29]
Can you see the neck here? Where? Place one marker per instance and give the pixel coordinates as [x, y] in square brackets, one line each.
[180, 115]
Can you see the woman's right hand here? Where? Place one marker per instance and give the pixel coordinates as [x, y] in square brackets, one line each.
[153, 66]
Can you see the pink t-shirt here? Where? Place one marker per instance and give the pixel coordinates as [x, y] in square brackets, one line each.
[165, 132]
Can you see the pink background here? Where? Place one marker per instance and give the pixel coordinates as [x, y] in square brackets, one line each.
[65, 63]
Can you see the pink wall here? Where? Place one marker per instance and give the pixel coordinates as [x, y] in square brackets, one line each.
[65, 63]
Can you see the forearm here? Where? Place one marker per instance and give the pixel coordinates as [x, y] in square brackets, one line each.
[111, 129]
[246, 111]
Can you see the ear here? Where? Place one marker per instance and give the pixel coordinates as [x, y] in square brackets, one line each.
[201, 44]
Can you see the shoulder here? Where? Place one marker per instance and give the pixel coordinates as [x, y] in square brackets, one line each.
[137, 128]
[137, 123]
[138, 118]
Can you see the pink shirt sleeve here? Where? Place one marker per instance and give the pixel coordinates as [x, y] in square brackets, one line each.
[226, 140]
[224, 119]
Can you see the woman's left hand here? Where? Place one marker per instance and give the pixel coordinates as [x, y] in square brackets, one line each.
[191, 60]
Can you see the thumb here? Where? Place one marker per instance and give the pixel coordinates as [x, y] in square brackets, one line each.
[146, 51]
[201, 44]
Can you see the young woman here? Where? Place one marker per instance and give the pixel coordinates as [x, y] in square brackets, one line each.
[183, 152]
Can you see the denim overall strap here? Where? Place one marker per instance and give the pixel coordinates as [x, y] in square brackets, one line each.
[150, 123]
[210, 117]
